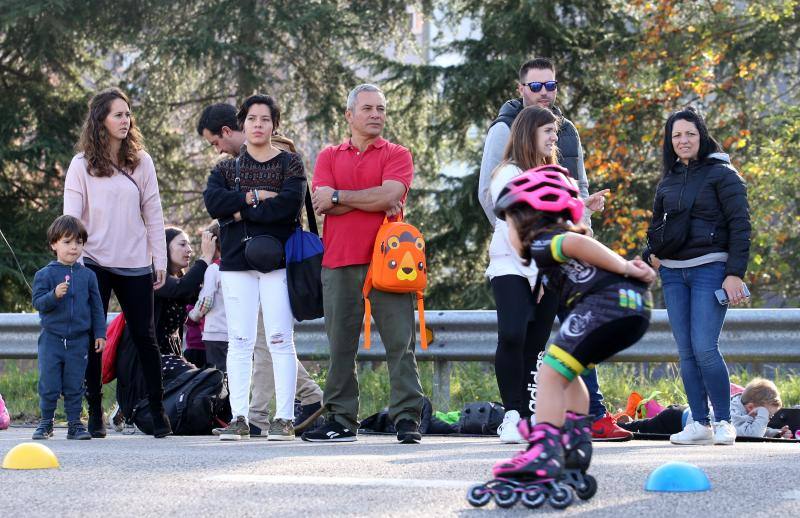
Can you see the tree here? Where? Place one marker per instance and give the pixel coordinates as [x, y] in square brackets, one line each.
[172, 58]
[45, 61]
[625, 66]
[622, 66]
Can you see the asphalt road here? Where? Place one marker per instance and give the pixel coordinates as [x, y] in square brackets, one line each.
[198, 476]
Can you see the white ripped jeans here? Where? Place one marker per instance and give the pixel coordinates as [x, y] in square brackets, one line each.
[243, 291]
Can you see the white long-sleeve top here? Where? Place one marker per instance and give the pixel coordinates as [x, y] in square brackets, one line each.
[211, 304]
[503, 259]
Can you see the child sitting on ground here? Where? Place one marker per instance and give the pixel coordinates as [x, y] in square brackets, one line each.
[751, 411]
[65, 294]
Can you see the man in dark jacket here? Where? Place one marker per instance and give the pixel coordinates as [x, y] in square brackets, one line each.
[538, 87]
[537, 74]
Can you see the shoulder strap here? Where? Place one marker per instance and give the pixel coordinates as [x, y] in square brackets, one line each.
[312, 221]
[141, 195]
[237, 178]
[237, 182]
[692, 189]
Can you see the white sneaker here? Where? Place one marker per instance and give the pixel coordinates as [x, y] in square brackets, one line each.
[508, 428]
[724, 433]
[694, 433]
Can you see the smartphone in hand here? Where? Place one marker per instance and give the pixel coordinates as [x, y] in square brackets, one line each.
[722, 297]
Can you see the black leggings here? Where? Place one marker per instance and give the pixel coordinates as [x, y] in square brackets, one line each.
[523, 327]
[135, 296]
[667, 422]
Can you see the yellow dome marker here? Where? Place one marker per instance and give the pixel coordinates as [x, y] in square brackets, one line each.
[30, 455]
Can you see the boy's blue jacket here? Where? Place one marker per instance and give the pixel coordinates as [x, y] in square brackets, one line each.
[78, 312]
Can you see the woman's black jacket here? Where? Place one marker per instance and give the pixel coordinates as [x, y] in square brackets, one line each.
[720, 216]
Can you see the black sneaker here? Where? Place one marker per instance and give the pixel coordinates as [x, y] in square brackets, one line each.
[256, 430]
[330, 431]
[76, 431]
[307, 416]
[44, 430]
[408, 432]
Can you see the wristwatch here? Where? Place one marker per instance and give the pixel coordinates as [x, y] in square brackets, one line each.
[335, 198]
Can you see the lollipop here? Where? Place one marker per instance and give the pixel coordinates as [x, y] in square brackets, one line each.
[66, 279]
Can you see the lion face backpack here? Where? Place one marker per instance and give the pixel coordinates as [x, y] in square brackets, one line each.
[398, 266]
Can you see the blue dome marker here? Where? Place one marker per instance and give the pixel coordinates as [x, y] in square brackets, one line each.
[677, 477]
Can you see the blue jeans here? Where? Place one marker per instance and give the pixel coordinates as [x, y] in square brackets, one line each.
[696, 319]
[596, 407]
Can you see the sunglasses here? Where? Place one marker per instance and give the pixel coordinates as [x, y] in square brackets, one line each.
[536, 86]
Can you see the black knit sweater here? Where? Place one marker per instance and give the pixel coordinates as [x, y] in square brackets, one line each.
[276, 216]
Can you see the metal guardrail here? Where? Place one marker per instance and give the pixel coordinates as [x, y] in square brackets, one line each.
[749, 335]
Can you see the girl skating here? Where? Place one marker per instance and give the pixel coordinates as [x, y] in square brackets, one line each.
[609, 307]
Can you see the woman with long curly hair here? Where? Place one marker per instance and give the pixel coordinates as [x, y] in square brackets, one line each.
[111, 187]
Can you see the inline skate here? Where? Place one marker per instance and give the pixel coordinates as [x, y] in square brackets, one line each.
[532, 475]
[576, 438]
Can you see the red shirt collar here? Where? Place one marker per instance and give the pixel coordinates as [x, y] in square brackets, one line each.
[347, 144]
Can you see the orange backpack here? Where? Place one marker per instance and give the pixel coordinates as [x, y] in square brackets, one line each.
[398, 266]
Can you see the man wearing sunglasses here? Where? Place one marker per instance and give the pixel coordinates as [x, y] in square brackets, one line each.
[537, 86]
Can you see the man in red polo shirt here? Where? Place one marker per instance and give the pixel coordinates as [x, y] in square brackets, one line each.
[355, 185]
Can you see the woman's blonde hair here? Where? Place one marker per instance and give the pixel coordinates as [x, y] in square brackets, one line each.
[522, 148]
[761, 392]
[94, 141]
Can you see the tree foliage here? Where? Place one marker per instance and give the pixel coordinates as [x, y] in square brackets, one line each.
[625, 66]
[172, 58]
[622, 67]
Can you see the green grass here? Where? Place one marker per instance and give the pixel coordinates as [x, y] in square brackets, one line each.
[475, 381]
[469, 381]
[18, 387]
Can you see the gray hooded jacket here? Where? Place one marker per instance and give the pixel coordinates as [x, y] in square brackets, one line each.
[569, 146]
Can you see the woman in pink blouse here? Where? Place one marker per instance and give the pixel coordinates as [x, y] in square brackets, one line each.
[111, 187]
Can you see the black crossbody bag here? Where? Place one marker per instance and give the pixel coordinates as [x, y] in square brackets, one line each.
[670, 234]
[263, 253]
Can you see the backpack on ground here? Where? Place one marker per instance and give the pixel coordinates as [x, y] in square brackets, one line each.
[428, 424]
[481, 418]
[196, 401]
[398, 266]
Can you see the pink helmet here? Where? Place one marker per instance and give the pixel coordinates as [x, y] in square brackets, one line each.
[547, 188]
